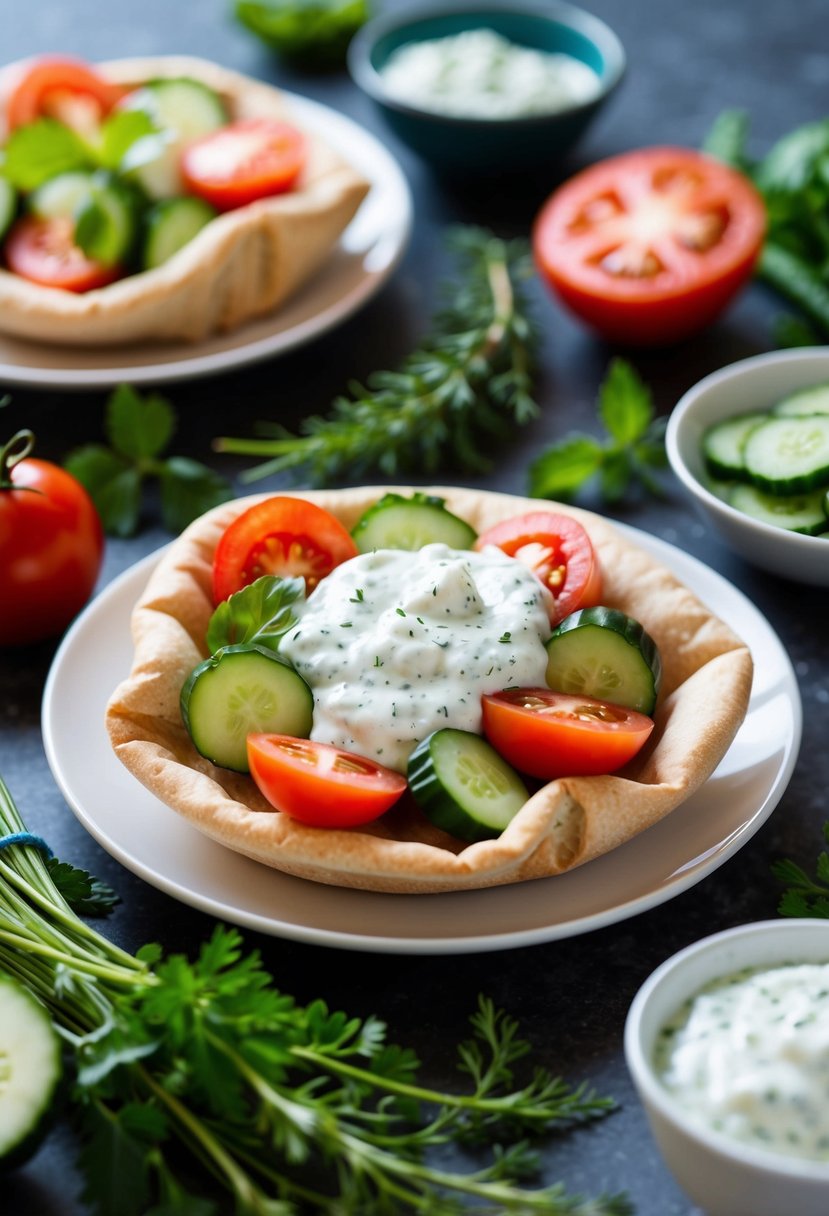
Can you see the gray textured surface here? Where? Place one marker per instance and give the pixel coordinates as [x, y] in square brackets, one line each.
[686, 62]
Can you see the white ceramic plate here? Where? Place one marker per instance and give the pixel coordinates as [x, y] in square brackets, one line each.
[160, 846]
[365, 257]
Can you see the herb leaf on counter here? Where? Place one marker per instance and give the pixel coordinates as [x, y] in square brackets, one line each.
[139, 430]
[632, 447]
[805, 896]
[464, 390]
[86, 896]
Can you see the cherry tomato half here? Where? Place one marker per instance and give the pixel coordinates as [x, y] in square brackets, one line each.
[51, 546]
[44, 251]
[551, 734]
[244, 161]
[54, 83]
[283, 536]
[650, 246]
[320, 784]
[558, 551]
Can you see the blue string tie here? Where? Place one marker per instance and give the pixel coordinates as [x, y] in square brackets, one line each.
[38, 842]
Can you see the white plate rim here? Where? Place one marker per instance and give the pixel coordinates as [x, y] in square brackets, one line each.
[390, 943]
[387, 174]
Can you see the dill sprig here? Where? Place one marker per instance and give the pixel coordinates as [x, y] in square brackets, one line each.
[465, 388]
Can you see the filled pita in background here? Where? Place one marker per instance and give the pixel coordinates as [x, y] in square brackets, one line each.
[241, 265]
[707, 673]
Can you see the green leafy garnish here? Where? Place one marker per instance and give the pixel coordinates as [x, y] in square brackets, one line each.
[260, 613]
[139, 430]
[312, 33]
[87, 896]
[119, 133]
[465, 389]
[633, 445]
[41, 150]
[805, 896]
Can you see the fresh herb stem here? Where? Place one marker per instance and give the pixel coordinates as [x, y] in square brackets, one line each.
[797, 281]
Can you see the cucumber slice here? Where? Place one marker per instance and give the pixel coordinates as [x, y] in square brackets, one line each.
[187, 107]
[604, 654]
[723, 444]
[789, 455]
[62, 197]
[106, 224]
[170, 225]
[805, 401]
[8, 205]
[30, 1072]
[397, 522]
[797, 512]
[463, 786]
[242, 689]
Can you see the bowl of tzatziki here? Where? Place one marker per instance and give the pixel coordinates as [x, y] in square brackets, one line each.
[727, 1043]
[488, 86]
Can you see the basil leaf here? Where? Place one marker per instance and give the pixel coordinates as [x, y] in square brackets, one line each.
[260, 612]
[113, 485]
[625, 405]
[791, 162]
[43, 149]
[119, 133]
[726, 141]
[188, 489]
[565, 467]
[138, 427]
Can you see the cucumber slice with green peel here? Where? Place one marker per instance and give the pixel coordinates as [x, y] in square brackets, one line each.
[463, 786]
[170, 225]
[789, 455]
[797, 512]
[106, 224]
[604, 654]
[61, 197]
[239, 690]
[805, 401]
[8, 205]
[723, 444]
[187, 107]
[397, 522]
[30, 1072]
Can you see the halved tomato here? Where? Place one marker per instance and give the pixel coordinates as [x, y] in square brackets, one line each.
[648, 247]
[54, 85]
[284, 536]
[320, 784]
[244, 161]
[550, 734]
[558, 551]
[44, 251]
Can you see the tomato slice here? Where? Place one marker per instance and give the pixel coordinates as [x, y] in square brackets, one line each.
[54, 85]
[650, 246]
[558, 551]
[244, 161]
[320, 784]
[44, 251]
[551, 734]
[284, 536]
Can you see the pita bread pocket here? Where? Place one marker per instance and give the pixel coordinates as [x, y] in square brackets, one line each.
[707, 673]
[241, 265]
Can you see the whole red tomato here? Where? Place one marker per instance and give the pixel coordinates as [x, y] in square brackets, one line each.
[51, 545]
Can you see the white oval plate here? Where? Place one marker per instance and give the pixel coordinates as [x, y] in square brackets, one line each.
[367, 254]
[157, 844]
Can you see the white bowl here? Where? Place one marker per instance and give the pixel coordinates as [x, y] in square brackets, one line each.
[723, 1175]
[752, 384]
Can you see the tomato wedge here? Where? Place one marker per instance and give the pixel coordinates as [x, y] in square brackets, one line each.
[53, 85]
[44, 251]
[244, 161]
[650, 246]
[551, 734]
[284, 536]
[320, 784]
[558, 551]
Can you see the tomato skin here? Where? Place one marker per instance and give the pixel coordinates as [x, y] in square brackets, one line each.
[51, 548]
[550, 734]
[319, 784]
[48, 76]
[244, 161]
[284, 536]
[698, 223]
[558, 551]
[44, 252]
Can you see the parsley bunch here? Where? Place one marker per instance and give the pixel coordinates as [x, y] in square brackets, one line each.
[467, 386]
[805, 896]
[193, 1077]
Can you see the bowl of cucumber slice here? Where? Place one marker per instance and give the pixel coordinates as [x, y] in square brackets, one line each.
[750, 444]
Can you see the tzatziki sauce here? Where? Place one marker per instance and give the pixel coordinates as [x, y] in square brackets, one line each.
[479, 74]
[397, 644]
[748, 1056]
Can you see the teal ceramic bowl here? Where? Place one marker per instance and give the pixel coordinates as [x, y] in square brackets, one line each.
[489, 145]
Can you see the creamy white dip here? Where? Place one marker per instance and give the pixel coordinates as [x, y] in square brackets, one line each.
[395, 645]
[479, 74]
[749, 1057]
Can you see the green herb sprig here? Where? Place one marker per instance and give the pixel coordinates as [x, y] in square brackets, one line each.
[139, 430]
[631, 448]
[466, 387]
[805, 896]
[312, 34]
[201, 1076]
